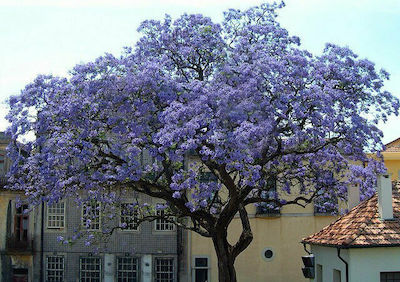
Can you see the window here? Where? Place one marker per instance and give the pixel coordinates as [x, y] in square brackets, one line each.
[164, 270]
[128, 217]
[207, 177]
[20, 274]
[91, 215]
[56, 215]
[325, 204]
[201, 270]
[319, 273]
[127, 269]
[162, 224]
[337, 275]
[55, 269]
[267, 254]
[21, 224]
[2, 164]
[390, 276]
[270, 193]
[90, 269]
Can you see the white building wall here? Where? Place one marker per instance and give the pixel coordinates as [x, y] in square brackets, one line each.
[327, 257]
[109, 267]
[367, 263]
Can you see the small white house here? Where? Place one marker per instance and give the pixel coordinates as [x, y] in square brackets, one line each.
[364, 244]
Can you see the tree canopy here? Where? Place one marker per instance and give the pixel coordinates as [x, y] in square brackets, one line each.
[241, 96]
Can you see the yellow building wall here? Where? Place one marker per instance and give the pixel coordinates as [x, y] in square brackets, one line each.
[393, 167]
[5, 197]
[282, 233]
[18, 260]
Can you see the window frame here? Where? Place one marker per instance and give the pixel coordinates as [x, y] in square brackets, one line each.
[388, 272]
[19, 213]
[3, 169]
[120, 219]
[194, 267]
[100, 267]
[173, 267]
[166, 223]
[64, 217]
[319, 269]
[63, 266]
[83, 223]
[129, 257]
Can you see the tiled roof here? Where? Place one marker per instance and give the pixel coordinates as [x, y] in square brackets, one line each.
[362, 227]
[393, 146]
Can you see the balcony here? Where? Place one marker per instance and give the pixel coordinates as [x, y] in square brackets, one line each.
[15, 245]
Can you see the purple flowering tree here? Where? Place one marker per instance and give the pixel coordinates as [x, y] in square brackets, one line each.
[240, 99]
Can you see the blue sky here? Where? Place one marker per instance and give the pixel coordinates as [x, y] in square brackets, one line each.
[51, 36]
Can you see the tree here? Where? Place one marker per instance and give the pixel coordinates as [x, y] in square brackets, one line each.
[242, 96]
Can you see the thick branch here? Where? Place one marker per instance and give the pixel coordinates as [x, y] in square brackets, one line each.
[246, 237]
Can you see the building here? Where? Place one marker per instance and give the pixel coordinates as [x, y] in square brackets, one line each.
[31, 249]
[18, 241]
[149, 252]
[363, 245]
[391, 156]
[273, 255]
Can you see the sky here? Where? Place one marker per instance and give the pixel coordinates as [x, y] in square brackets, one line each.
[51, 36]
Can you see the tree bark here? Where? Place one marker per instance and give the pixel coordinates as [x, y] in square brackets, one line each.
[226, 253]
[226, 268]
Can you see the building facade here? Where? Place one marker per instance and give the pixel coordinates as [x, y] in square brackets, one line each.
[149, 252]
[391, 156]
[18, 241]
[364, 244]
[273, 255]
[31, 248]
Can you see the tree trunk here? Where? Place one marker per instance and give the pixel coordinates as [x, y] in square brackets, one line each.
[227, 253]
[226, 268]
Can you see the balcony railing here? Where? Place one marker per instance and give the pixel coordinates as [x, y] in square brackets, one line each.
[16, 245]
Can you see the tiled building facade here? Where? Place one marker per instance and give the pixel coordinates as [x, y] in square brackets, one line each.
[148, 252]
[30, 249]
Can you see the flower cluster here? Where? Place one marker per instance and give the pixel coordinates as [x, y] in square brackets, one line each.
[240, 99]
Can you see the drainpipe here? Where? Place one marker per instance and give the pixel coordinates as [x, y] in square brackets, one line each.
[345, 262]
[305, 249]
[41, 241]
[179, 251]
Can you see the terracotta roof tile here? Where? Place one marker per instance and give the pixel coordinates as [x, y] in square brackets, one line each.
[362, 227]
[393, 146]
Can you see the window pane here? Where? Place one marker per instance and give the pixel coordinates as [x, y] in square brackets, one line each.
[201, 275]
[164, 270]
[201, 262]
[163, 224]
[127, 268]
[55, 268]
[90, 269]
[129, 215]
[55, 215]
[390, 277]
[91, 215]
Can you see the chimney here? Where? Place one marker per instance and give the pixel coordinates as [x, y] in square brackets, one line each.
[384, 188]
[353, 196]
